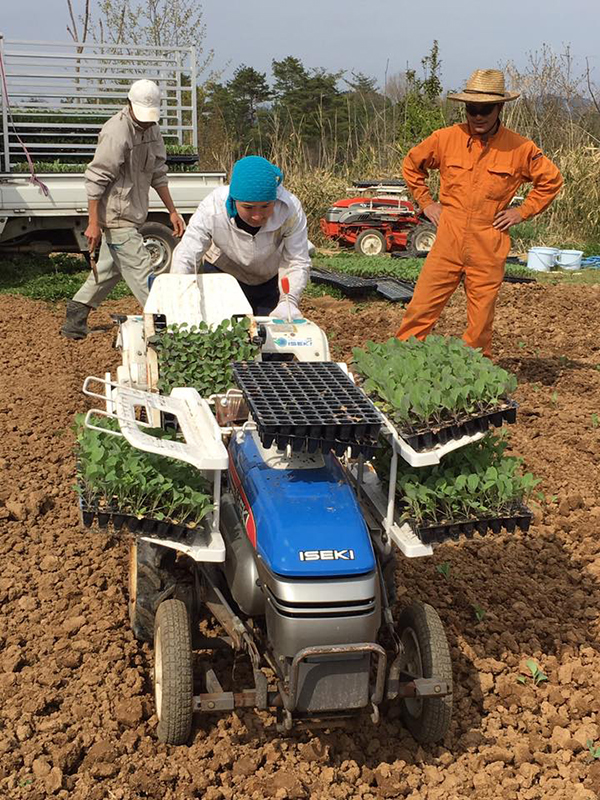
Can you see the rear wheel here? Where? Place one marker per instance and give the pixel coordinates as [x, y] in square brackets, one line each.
[173, 679]
[427, 655]
[160, 242]
[370, 243]
[421, 238]
[150, 576]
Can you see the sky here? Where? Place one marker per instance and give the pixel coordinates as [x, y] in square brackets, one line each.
[375, 37]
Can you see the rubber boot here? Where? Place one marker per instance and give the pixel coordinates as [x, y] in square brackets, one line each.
[75, 325]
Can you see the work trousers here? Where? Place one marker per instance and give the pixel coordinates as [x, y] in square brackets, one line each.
[122, 256]
[437, 282]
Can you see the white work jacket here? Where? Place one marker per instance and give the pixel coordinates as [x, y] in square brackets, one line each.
[280, 246]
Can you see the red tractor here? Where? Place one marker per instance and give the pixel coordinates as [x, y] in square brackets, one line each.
[381, 219]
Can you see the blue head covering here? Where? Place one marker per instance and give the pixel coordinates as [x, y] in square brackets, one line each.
[253, 180]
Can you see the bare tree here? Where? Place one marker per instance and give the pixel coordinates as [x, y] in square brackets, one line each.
[84, 20]
[396, 87]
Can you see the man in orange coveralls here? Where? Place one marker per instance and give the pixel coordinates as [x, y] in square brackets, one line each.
[481, 166]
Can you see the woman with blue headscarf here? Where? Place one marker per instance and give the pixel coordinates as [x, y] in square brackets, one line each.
[255, 230]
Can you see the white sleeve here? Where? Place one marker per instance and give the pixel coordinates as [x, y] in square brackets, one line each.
[196, 240]
[296, 261]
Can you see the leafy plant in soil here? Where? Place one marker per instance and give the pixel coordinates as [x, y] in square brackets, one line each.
[433, 384]
[476, 482]
[536, 673]
[115, 477]
[200, 357]
[594, 750]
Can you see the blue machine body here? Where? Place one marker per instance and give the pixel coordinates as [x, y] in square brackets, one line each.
[303, 522]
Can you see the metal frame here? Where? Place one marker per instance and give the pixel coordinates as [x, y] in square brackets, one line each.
[86, 80]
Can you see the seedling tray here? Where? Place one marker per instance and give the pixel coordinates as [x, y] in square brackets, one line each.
[312, 406]
[518, 279]
[103, 517]
[395, 290]
[480, 423]
[351, 285]
[436, 534]
[392, 289]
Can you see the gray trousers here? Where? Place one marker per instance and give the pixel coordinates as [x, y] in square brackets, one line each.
[122, 255]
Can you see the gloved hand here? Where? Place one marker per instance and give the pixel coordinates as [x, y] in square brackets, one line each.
[281, 311]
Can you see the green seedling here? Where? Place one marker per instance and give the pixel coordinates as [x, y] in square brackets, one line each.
[594, 750]
[536, 673]
[479, 612]
[595, 420]
[521, 678]
[477, 481]
[200, 357]
[554, 399]
[111, 474]
[521, 345]
[424, 385]
[444, 569]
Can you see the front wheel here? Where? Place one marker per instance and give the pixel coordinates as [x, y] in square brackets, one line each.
[427, 655]
[370, 243]
[173, 678]
[421, 238]
[160, 242]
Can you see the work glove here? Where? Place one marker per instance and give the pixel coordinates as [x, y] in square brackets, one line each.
[281, 311]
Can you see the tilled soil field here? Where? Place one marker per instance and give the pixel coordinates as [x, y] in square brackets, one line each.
[76, 716]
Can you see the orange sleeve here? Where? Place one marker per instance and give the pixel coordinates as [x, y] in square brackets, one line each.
[416, 166]
[546, 180]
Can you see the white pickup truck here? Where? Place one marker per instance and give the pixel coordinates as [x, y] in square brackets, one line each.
[54, 98]
[30, 221]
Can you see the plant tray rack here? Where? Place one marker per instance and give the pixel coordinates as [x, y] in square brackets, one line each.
[311, 406]
[200, 542]
[480, 423]
[437, 533]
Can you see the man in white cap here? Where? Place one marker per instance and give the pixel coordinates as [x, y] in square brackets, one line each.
[130, 158]
[481, 165]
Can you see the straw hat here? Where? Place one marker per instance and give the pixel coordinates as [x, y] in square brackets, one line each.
[485, 86]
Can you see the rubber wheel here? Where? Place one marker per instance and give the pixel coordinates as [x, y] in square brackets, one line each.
[421, 238]
[427, 656]
[370, 243]
[173, 679]
[150, 575]
[160, 243]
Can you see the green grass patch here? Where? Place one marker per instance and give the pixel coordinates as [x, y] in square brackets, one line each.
[50, 278]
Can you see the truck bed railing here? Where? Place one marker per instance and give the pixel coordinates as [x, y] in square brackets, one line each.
[50, 89]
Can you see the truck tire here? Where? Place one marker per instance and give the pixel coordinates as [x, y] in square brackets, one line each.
[160, 243]
[427, 655]
[421, 238]
[173, 678]
[150, 577]
[370, 242]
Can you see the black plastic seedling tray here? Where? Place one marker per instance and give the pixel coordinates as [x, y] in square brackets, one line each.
[437, 534]
[312, 406]
[392, 289]
[518, 279]
[103, 517]
[352, 285]
[480, 423]
[395, 290]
